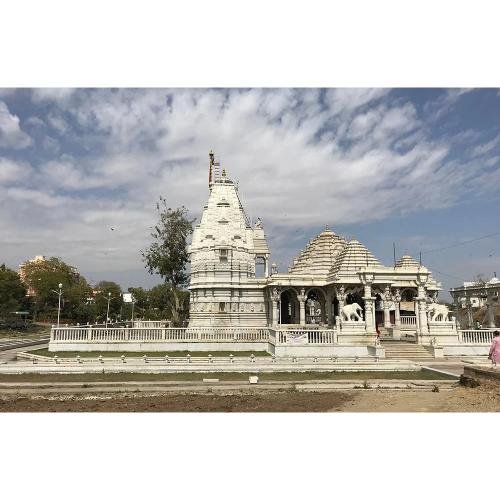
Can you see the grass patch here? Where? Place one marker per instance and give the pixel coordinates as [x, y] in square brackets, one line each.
[152, 354]
[198, 377]
[32, 332]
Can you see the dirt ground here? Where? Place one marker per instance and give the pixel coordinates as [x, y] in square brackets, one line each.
[485, 398]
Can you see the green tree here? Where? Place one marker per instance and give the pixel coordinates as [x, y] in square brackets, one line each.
[12, 291]
[167, 255]
[77, 301]
[141, 303]
[43, 277]
[108, 289]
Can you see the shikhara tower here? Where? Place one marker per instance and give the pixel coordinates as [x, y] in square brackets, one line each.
[224, 250]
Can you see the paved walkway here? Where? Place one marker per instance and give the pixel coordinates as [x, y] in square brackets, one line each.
[6, 344]
[10, 352]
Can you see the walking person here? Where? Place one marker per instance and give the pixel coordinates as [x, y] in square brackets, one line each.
[494, 354]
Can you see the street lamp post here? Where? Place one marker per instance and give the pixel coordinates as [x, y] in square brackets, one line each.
[59, 293]
[107, 312]
[133, 303]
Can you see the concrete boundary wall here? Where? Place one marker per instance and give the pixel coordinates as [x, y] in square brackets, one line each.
[318, 350]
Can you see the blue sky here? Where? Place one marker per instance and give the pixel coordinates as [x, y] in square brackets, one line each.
[418, 167]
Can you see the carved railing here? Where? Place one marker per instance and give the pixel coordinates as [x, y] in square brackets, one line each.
[199, 334]
[408, 322]
[476, 336]
[304, 337]
[124, 334]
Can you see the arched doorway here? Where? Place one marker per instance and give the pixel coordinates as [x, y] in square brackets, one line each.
[289, 307]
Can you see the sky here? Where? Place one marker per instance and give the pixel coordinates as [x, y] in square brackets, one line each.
[416, 167]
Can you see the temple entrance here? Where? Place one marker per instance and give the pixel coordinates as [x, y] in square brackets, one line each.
[289, 308]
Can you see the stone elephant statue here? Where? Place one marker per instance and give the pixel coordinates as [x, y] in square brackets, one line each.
[438, 311]
[352, 311]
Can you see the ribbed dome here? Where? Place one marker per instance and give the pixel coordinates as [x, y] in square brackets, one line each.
[407, 261]
[319, 255]
[353, 257]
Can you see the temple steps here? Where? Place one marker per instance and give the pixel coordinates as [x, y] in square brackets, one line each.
[396, 349]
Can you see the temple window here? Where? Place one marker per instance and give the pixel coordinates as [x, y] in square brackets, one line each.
[223, 256]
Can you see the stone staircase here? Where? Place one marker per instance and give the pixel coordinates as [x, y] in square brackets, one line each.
[398, 349]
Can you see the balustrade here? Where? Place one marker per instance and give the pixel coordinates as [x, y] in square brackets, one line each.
[92, 334]
[198, 334]
[408, 322]
[476, 336]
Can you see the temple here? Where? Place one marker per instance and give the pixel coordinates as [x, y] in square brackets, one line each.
[333, 283]
[337, 300]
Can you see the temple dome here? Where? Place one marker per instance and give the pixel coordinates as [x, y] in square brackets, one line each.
[319, 255]
[407, 261]
[354, 256]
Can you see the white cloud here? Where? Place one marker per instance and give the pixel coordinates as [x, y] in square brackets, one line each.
[482, 149]
[36, 197]
[11, 171]
[11, 135]
[52, 94]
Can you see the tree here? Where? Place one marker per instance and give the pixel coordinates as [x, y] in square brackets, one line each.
[141, 303]
[44, 276]
[12, 291]
[76, 301]
[167, 255]
[105, 288]
[479, 279]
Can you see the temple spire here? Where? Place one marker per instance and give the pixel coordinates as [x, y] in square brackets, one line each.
[210, 166]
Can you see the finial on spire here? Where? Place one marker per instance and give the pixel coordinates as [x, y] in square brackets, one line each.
[327, 228]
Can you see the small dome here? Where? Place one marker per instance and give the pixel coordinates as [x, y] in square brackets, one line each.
[407, 261]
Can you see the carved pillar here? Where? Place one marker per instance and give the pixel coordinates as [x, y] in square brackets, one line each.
[329, 307]
[266, 267]
[396, 298]
[490, 310]
[417, 317]
[341, 295]
[367, 280]
[275, 301]
[422, 304]
[302, 304]
[387, 307]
